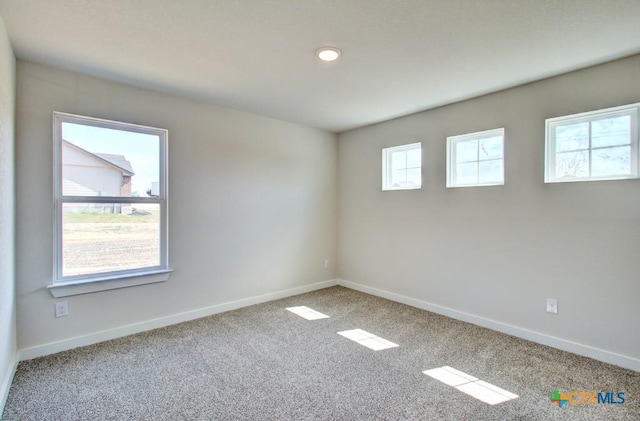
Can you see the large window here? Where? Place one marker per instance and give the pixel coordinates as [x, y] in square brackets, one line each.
[110, 185]
[597, 145]
[476, 159]
[402, 167]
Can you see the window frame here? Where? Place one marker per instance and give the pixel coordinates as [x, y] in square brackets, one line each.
[632, 110]
[84, 283]
[387, 167]
[451, 157]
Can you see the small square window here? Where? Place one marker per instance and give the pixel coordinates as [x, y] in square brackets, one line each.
[597, 145]
[476, 159]
[402, 167]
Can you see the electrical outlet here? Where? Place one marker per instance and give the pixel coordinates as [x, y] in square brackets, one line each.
[62, 309]
[552, 306]
[326, 264]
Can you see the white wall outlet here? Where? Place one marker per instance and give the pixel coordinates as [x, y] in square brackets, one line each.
[62, 309]
[326, 264]
[552, 306]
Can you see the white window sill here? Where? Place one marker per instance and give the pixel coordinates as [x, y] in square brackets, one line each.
[455, 186]
[551, 180]
[89, 285]
[401, 188]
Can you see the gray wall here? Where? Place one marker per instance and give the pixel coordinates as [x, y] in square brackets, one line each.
[252, 204]
[7, 214]
[499, 252]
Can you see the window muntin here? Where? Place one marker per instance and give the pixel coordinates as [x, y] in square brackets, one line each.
[597, 145]
[110, 187]
[476, 159]
[402, 167]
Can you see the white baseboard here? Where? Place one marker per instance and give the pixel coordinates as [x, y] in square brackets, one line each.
[541, 338]
[105, 335]
[7, 380]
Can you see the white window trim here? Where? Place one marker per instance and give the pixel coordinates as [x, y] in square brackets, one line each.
[386, 165]
[550, 145]
[82, 284]
[451, 157]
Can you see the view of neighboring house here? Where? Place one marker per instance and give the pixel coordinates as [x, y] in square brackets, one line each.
[94, 174]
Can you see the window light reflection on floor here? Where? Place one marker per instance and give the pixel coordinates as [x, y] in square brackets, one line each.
[367, 339]
[307, 313]
[481, 390]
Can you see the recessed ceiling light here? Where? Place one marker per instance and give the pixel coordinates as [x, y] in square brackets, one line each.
[328, 53]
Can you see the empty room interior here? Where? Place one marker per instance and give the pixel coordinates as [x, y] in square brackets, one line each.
[319, 209]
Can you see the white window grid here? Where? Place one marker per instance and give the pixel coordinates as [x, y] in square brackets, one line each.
[551, 124]
[452, 141]
[388, 168]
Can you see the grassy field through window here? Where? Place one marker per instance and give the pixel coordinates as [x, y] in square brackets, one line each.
[105, 242]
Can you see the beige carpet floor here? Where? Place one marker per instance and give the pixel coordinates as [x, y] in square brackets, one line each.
[266, 363]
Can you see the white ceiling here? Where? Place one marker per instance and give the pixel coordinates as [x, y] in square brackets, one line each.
[399, 56]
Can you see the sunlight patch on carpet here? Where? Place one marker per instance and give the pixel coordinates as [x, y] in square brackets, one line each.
[307, 313]
[367, 339]
[481, 390]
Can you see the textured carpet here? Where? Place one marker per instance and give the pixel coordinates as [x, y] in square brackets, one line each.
[266, 363]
